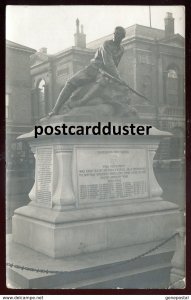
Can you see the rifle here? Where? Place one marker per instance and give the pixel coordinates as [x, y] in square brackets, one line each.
[104, 73]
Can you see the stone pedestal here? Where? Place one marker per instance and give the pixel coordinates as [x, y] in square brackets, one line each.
[95, 195]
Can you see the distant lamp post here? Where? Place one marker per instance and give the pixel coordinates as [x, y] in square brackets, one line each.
[150, 15]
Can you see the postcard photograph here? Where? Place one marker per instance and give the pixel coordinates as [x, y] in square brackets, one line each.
[95, 147]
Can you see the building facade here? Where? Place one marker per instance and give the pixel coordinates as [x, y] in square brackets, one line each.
[19, 159]
[153, 63]
[18, 102]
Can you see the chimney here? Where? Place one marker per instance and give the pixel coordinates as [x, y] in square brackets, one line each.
[43, 50]
[169, 25]
[79, 37]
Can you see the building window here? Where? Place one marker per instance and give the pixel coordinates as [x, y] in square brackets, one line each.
[172, 74]
[172, 87]
[8, 109]
[144, 59]
[62, 71]
[42, 98]
[19, 156]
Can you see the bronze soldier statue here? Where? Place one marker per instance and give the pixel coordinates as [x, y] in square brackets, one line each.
[106, 59]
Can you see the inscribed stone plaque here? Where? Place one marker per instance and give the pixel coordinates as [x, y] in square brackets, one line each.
[44, 169]
[105, 175]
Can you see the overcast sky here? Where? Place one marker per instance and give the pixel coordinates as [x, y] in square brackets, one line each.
[53, 26]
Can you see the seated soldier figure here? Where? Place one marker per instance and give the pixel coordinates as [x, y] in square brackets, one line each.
[106, 58]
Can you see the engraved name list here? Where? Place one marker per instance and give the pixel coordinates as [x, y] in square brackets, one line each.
[105, 175]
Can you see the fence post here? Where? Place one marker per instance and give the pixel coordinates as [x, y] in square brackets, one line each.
[177, 274]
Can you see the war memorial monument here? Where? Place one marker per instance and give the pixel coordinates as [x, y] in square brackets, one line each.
[97, 218]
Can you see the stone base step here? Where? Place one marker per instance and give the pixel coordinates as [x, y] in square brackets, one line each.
[104, 269]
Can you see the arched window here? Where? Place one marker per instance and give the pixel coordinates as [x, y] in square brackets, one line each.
[172, 89]
[42, 98]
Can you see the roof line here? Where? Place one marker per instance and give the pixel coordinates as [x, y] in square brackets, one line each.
[134, 25]
[18, 46]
